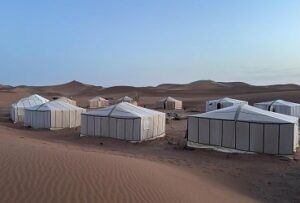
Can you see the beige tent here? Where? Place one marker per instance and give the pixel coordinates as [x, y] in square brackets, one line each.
[125, 99]
[53, 115]
[17, 109]
[222, 103]
[123, 121]
[98, 102]
[67, 100]
[169, 103]
[244, 128]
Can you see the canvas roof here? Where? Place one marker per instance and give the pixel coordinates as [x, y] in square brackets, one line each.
[279, 102]
[54, 105]
[32, 100]
[244, 112]
[124, 110]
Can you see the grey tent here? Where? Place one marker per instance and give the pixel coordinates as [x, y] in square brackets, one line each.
[53, 115]
[245, 128]
[17, 109]
[222, 103]
[123, 121]
[280, 106]
[169, 103]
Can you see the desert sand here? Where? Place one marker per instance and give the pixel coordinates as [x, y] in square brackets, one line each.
[59, 166]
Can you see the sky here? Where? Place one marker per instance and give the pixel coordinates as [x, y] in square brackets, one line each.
[140, 43]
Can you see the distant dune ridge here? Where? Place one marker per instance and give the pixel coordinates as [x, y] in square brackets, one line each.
[193, 94]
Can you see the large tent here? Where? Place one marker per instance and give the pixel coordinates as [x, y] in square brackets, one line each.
[280, 106]
[67, 100]
[98, 102]
[245, 128]
[53, 115]
[125, 99]
[222, 103]
[169, 103]
[17, 109]
[123, 121]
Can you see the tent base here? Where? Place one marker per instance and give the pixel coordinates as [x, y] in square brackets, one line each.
[216, 148]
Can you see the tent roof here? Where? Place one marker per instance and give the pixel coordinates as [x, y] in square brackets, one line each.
[227, 99]
[279, 102]
[32, 100]
[244, 112]
[54, 105]
[98, 98]
[124, 110]
[168, 99]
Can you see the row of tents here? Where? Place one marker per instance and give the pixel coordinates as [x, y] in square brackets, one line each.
[227, 124]
[168, 103]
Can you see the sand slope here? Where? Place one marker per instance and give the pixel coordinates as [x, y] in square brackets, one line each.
[40, 171]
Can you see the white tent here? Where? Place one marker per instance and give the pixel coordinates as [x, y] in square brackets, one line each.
[53, 115]
[245, 128]
[169, 103]
[280, 106]
[222, 103]
[124, 121]
[67, 100]
[98, 102]
[17, 109]
[125, 99]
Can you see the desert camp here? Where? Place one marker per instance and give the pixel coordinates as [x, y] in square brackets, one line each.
[150, 101]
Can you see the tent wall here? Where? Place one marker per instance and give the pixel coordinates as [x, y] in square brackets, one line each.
[54, 119]
[17, 114]
[170, 105]
[266, 138]
[131, 129]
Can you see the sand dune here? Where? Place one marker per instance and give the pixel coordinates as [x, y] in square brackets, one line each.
[40, 171]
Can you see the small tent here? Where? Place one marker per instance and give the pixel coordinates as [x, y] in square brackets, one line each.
[67, 100]
[17, 109]
[98, 102]
[245, 128]
[53, 115]
[280, 106]
[125, 99]
[222, 103]
[169, 103]
[123, 121]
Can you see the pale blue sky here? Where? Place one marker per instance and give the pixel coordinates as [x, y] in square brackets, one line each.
[134, 42]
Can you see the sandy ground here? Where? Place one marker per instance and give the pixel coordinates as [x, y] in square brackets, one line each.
[58, 166]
